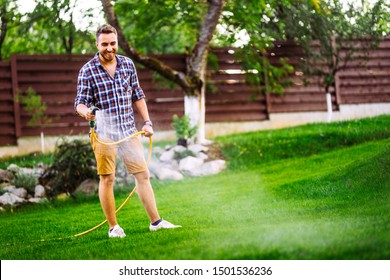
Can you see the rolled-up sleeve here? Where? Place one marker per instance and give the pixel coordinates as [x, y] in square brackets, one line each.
[138, 93]
[84, 90]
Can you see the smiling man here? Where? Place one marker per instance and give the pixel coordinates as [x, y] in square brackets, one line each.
[109, 82]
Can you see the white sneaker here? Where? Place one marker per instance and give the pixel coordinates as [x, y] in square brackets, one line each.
[116, 231]
[161, 225]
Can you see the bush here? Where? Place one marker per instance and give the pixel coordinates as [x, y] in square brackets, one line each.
[183, 128]
[183, 154]
[26, 181]
[73, 162]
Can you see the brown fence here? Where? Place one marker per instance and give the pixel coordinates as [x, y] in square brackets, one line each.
[229, 97]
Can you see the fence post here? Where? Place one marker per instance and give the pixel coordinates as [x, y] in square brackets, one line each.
[15, 90]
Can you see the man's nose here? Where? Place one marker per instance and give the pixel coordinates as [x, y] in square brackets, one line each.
[109, 48]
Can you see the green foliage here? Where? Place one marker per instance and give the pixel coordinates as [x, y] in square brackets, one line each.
[27, 181]
[161, 26]
[185, 153]
[73, 162]
[33, 104]
[182, 127]
[30, 33]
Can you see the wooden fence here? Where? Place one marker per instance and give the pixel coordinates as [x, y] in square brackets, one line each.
[230, 97]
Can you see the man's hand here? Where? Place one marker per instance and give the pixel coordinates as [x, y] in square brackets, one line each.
[89, 116]
[148, 130]
[85, 112]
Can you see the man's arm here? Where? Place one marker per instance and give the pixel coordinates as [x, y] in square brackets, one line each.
[84, 112]
[142, 109]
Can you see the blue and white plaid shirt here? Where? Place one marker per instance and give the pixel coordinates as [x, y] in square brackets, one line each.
[113, 96]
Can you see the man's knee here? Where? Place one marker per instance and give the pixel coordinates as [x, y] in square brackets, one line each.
[107, 180]
[142, 176]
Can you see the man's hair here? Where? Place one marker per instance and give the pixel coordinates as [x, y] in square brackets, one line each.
[105, 29]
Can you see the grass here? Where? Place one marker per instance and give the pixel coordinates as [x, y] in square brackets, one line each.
[324, 199]
[29, 161]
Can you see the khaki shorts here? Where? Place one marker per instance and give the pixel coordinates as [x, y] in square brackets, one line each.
[131, 152]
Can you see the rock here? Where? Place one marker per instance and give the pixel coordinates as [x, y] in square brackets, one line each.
[9, 188]
[167, 155]
[202, 155]
[10, 199]
[208, 168]
[189, 163]
[6, 176]
[20, 192]
[88, 186]
[179, 149]
[168, 174]
[196, 148]
[39, 191]
[37, 199]
[13, 168]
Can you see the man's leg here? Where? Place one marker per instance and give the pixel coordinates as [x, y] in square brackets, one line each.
[106, 196]
[146, 195]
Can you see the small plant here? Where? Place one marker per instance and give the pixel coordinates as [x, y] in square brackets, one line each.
[73, 162]
[33, 104]
[183, 154]
[26, 181]
[183, 129]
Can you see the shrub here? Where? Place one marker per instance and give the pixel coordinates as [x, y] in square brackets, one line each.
[180, 155]
[26, 181]
[73, 162]
[183, 128]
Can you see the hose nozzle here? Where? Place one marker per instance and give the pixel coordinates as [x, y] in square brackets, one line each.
[93, 110]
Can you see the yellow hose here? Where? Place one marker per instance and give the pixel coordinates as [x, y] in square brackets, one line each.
[93, 134]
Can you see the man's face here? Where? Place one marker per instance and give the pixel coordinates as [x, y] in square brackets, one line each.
[107, 45]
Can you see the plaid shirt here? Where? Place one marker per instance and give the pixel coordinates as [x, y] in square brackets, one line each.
[113, 96]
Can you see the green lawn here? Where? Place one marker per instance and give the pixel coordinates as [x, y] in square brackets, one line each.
[319, 191]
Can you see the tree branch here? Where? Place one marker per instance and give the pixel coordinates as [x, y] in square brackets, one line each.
[198, 56]
[164, 70]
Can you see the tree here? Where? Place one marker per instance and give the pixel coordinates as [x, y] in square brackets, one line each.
[193, 81]
[9, 18]
[335, 28]
[200, 19]
[30, 33]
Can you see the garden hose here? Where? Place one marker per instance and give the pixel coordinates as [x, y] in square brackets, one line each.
[93, 134]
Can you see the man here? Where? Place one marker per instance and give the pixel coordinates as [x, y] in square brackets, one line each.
[109, 82]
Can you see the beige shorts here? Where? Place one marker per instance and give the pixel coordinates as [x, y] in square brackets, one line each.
[131, 152]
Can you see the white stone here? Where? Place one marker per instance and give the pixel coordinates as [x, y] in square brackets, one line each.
[10, 199]
[167, 155]
[189, 163]
[39, 191]
[88, 186]
[21, 192]
[13, 168]
[9, 188]
[202, 155]
[196, 148]
[168, 174]
[179, 149]
[37, 199]
[209, 168]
